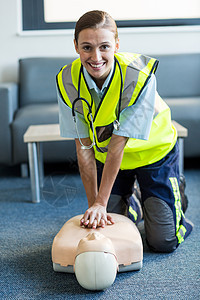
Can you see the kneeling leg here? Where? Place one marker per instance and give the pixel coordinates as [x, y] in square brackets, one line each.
[159, 225]
[161, 233]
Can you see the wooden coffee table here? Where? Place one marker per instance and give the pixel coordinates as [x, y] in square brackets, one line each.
[37, 134]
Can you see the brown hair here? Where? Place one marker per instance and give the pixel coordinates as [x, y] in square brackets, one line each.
[95, 19]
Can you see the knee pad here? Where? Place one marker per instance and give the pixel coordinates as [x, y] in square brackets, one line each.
[159, 225]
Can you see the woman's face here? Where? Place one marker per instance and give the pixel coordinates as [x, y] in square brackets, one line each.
[96, 48]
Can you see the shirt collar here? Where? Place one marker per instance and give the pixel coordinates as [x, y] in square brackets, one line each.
[92, 84]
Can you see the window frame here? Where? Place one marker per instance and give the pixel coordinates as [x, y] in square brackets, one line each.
[32, 15]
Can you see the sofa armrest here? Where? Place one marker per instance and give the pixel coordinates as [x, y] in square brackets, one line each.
[8, 106]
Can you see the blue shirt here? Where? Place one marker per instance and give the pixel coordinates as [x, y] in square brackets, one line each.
[135, 121]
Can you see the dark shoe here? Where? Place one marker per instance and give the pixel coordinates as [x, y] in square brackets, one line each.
[184, 198]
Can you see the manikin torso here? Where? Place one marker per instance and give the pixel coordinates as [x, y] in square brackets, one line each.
[124, 235]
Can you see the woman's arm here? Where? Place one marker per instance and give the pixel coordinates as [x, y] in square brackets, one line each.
[88, 172]
[111, 167]
[96, 215]
[87, 168]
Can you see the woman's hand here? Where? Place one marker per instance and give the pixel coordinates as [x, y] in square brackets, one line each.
[96, 216]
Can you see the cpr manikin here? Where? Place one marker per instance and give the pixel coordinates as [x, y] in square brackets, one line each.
[96, 255]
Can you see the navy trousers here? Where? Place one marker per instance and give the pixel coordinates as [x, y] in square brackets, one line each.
[160, 198]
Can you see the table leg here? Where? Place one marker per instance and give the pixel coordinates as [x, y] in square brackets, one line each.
[181, 155]
[40, 164]
[34, 172]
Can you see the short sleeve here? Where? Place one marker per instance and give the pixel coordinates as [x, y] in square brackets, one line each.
[135, 120]
[66, 121]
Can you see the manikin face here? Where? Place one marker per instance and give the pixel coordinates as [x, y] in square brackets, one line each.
[95, 241]
[96, 48]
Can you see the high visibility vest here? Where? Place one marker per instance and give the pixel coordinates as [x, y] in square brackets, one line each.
[136, 70]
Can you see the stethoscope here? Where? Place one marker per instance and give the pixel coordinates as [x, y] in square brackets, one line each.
[116, 123]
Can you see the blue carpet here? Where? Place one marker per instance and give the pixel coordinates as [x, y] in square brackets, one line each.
[27, 231]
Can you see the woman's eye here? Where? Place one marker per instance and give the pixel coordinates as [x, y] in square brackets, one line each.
[105, 47]
[87, 48]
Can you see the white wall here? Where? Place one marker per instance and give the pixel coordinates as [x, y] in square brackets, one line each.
[14, 46]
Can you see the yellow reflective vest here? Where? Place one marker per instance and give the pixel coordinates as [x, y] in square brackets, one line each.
[130, 76]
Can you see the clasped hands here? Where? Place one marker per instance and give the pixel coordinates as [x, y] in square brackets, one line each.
[96, 216]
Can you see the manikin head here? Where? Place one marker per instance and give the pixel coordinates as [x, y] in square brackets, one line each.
[95, 264]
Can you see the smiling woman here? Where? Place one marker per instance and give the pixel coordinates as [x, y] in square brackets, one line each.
[50, 14]
[96, 45]
[110, 87]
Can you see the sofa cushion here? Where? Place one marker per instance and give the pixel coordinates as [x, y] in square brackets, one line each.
[184, 108]
[37, 77]
[178, 75]
[37, 114]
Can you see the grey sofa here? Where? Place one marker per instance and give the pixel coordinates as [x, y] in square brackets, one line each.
[33, 101]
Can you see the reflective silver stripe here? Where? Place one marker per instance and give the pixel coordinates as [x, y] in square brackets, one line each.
[140, 62]
[102, 149]
[182, 231]
[131, 79]
[129, 86]
[68, 84]
[181, 234]
[177, 203]
[70, 89]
